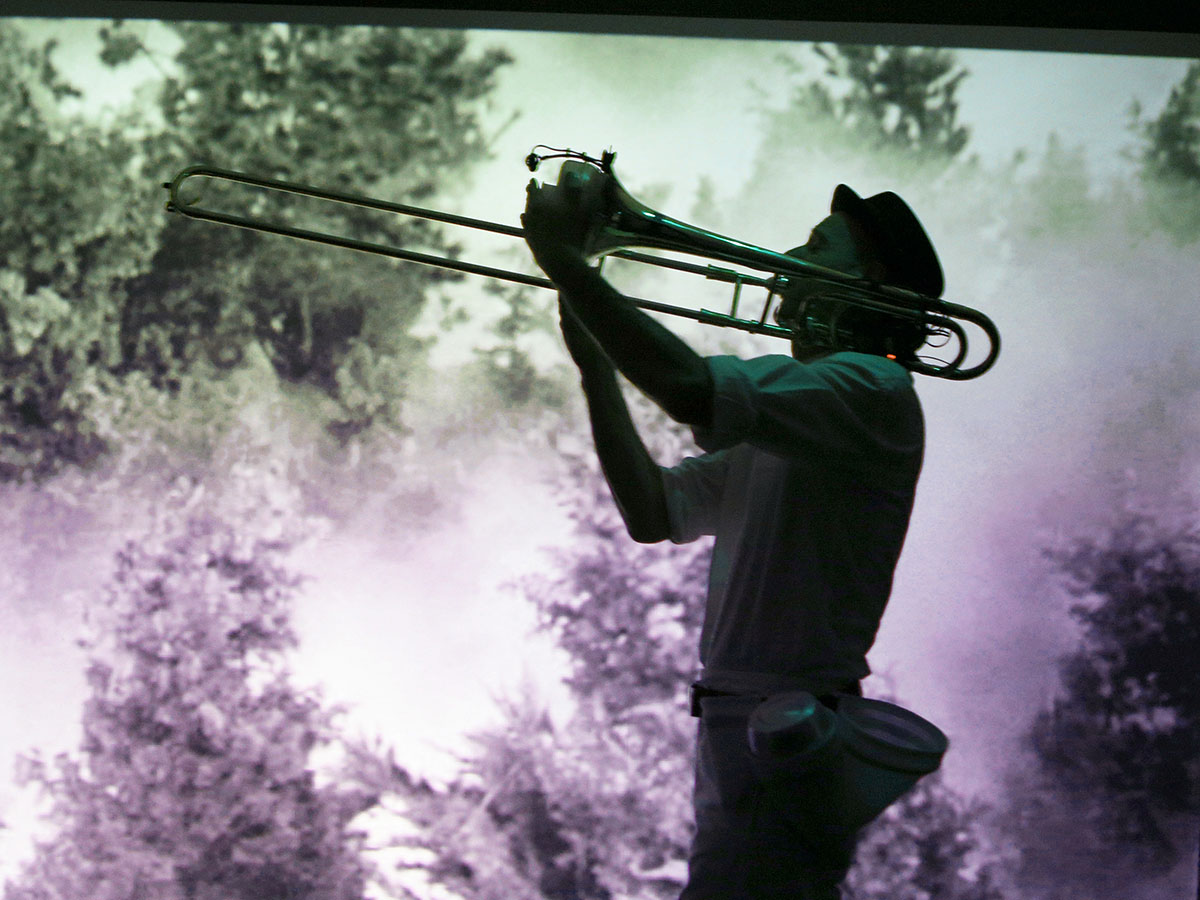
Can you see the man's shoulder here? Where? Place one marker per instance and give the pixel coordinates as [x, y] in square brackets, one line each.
[871, 361]
[842, 368]
[845, 369]
[867, 370]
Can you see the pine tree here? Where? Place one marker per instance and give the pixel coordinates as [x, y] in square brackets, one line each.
[1054, 202]
[508, 365]
[1131, 694]
[1118, 752]
[194, 780]
[883, 103]
[1171, 148]
[899, 98]
[1168, 157]
[878, 113]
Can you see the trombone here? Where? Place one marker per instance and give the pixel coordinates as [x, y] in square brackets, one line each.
[621, 223]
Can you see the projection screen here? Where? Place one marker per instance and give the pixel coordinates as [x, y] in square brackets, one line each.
[312, 583]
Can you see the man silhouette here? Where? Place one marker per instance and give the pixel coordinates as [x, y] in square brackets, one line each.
[807, 482]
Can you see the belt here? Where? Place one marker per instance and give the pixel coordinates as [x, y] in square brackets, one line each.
[697, 692]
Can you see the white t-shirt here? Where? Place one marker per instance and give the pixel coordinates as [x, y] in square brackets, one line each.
[808, 483]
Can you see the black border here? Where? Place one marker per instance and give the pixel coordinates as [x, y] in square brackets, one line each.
[1124, 29]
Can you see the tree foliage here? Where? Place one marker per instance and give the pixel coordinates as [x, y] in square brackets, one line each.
[628, 615]
[1124, 737]
[871, 112]
[194, 780]
[891, 105]
[1171, 148]
[68, 238]
[895, 98]
[931, 843]
[375, 111]
[507, 364]
[1054, 202]
[598, 806]
[98, 286]
[1168, 157]
[581, 811]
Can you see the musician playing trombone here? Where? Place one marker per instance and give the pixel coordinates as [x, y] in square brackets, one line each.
[807, 481]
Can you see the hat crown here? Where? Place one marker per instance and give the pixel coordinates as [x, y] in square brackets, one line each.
[903, 245]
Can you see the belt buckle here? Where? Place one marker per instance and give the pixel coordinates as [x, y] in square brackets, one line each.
[697, 692]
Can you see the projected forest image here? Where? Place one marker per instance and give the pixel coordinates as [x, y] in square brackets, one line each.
[312, 586]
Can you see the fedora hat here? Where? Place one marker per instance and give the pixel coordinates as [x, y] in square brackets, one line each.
[901, 241]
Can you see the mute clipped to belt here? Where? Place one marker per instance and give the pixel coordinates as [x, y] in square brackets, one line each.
[855, 758]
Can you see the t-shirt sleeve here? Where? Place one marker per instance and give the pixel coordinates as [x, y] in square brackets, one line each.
[856, 409]
[693, 490]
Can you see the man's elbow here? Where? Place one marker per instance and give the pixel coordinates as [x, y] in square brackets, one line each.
[647, 534]
[650, 524]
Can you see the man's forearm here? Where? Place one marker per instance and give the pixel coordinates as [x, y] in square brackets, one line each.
[656, 361]
[633, 477]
